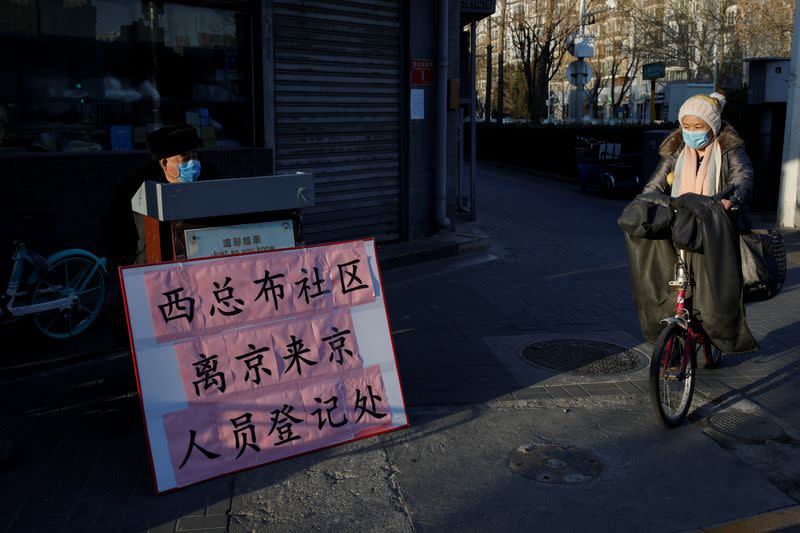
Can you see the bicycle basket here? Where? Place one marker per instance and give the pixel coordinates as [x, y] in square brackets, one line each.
[763, 264]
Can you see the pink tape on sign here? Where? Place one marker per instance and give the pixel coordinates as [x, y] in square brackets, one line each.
[252, 358]
[174, 303]
[297, 349]
[194, 447]
[222, 286]
[243, 426]
[287, 431]
[350, 274]
[311, 282]
[270, 292]
[366, 400]
[204, 368]
[337, 341]
[326, 412]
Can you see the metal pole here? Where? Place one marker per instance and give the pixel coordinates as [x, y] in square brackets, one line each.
[441, 119]
[652, 101]
[788, 212]
[579, 77]
[473, 123]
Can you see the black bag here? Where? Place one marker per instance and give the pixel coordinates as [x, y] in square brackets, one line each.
[763, 263]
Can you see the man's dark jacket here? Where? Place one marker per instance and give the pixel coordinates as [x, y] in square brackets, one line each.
[702, 227]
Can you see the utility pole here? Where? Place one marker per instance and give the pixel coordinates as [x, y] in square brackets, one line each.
[487, 114]
[501, 82]
[788, 212]
[579, 79]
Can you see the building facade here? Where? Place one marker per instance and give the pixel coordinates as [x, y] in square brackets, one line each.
[272, 86]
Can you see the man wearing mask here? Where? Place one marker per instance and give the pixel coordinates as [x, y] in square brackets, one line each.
[173, 149]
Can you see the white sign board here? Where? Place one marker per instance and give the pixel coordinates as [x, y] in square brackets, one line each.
[245, 360]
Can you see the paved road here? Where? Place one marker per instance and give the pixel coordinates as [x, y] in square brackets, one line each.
[495, 442]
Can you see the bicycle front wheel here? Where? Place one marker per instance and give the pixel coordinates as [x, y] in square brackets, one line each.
[672, 382]
[77, 276]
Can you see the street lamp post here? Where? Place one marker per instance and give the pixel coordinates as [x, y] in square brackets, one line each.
[582, 47]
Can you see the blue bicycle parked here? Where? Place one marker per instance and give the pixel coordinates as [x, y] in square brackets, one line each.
[63, 294]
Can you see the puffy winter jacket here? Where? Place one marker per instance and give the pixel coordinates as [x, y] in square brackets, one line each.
[735, 176]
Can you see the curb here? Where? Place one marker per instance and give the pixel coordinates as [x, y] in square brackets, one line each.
[437, 247]
[769, 521]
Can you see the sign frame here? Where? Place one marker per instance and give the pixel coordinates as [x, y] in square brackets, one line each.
[397, 405]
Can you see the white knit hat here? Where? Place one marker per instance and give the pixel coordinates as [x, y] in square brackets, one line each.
[706, 107]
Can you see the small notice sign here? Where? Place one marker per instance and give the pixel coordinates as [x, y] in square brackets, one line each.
[417, 104]
[239, 239]
[250, 359]
[421, 72]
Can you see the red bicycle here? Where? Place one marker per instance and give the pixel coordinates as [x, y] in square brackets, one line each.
[673, 364]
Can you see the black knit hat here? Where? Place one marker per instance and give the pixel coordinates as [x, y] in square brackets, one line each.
[172, 140]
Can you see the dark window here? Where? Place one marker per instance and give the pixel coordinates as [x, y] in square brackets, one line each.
[778, 70]
[99, 74]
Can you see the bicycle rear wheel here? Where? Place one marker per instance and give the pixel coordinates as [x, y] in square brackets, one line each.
[70, 275]
[671, 387]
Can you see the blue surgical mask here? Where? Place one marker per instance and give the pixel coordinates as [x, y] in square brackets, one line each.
[188, 171]
[696, 139]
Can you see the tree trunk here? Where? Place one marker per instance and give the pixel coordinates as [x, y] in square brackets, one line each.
[488, 107]
[501, 82]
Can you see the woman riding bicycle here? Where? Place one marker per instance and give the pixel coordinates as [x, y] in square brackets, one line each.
[705, 156]
[687, 205]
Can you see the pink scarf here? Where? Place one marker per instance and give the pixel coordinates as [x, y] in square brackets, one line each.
[695, 179]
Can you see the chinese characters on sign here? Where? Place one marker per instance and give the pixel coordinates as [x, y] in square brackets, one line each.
[266, 358]
[192, 300]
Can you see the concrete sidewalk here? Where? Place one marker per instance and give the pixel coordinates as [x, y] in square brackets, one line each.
[499, 439]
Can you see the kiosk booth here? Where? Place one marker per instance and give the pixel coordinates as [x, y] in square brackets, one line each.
[222, 217]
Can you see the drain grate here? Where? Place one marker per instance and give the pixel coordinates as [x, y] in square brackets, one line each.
[583, 357]
[746, 426]
[549, 463]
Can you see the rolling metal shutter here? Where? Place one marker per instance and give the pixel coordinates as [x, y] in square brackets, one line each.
[337, 112]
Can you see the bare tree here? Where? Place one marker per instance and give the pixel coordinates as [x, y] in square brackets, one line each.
[764, 28]
[595, 87]
[488, 105]
[626, 56]
[538, 34]
[501, 63]
[691, 34]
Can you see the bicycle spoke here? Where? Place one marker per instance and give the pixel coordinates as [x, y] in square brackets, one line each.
[87, 291]
[86, 278]
[55, 316]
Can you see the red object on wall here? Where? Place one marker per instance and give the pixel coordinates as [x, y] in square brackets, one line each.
[421, 72]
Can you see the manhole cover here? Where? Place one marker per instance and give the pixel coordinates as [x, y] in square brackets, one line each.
[746, 426]
[549, 463]
[583, 357]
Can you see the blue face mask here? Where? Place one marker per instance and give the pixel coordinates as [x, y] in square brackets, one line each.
[188, 171]
[696, 139]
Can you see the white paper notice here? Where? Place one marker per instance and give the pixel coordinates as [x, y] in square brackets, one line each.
[417, 104]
